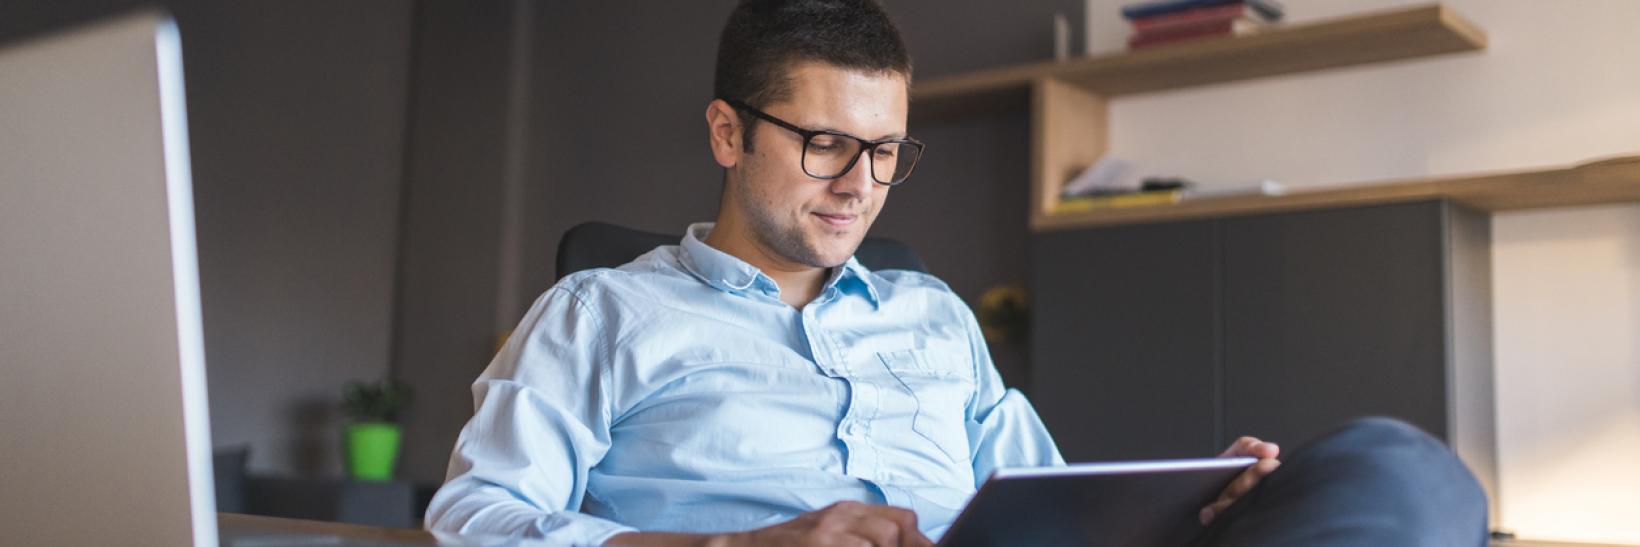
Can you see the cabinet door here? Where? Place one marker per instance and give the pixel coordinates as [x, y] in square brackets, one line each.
[1124, 340]
[1330, 315]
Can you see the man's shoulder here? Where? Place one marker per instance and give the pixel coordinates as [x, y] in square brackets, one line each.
[910, 280]
[911, 285]
[637, 277]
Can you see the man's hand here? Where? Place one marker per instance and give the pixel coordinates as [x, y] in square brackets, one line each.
[849, 523]
[1267, 463]
[842, 524]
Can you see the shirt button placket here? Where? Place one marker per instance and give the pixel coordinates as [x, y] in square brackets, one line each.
[856, 451]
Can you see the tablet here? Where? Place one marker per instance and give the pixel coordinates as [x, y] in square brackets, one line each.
[1117, 504]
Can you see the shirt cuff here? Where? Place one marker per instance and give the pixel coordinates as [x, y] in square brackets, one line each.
[580, 529]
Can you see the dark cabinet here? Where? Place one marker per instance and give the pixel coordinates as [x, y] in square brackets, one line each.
[1125, 340]
[1330, 315]
[1168, 340]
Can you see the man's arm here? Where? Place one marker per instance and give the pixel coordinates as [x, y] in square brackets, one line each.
[1003, 429]
[540, 424]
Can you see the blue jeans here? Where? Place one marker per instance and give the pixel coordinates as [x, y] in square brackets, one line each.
[1374, 482]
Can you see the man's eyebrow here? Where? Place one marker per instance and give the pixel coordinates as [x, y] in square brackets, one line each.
[891, 136]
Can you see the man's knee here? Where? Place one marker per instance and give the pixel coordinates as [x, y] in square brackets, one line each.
[1392, 451]
[1376, 450]
[1381, 431]
[1372, 481]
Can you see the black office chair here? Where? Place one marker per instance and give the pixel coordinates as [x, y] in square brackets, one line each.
[604, 245]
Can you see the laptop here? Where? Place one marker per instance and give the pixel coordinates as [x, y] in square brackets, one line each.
[104, 431]
[104, 438]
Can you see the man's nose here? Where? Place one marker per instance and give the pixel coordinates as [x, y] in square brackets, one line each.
[857, 181]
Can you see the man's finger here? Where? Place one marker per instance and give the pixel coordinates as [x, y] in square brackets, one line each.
[1239, 447]
[876, 518]
[905, 519]
[1241, 484]
[849, 507]
[881, 532]
[1239, 487]
[1213, 510]
[1249, 478]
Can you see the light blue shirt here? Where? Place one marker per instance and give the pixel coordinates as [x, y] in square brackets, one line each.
[678, 393]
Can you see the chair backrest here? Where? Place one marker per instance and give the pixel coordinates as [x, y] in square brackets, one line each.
[603, 245]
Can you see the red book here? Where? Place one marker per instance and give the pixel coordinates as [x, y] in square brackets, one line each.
[1198, 29]
[1140, 41]
[1191, 18]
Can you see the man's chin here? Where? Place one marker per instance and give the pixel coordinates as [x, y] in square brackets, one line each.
[829, 248]
[834, 256]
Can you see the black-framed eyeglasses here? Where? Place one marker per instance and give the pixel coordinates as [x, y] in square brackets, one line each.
[829, 155]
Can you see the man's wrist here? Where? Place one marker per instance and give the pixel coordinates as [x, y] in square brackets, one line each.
[669, 539]
[721, 540]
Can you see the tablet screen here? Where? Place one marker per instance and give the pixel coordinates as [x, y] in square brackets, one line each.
[1143, 503]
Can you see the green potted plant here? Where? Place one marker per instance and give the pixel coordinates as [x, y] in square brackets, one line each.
[373, 432]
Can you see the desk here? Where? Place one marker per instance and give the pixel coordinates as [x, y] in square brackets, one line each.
[237, 530]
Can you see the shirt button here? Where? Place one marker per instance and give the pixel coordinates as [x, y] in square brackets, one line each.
[851, 429]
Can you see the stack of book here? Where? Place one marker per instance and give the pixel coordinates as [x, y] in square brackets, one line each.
[1153, 191]
[1117, 200]
[1162, 191]
[1169, 21]
[1113, 183]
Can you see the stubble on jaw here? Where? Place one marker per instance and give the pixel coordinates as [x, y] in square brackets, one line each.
[786, 242]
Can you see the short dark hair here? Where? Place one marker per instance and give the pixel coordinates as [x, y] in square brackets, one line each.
[764, 38]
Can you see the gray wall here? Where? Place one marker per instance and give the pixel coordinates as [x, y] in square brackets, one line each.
[449, 262]
[309, 117]
[297, 160]
[296, 115]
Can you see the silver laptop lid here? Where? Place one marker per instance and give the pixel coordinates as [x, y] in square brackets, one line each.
[104, 438]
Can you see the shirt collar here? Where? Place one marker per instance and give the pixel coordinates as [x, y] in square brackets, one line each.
[728, 273]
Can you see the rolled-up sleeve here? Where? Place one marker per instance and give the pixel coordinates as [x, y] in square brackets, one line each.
[1003, 428]
[541, 422]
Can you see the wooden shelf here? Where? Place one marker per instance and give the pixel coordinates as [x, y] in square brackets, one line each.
[1612, 180]
[1378, 37]
[1068, 101]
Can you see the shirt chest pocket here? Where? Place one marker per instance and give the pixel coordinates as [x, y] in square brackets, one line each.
[941, 382]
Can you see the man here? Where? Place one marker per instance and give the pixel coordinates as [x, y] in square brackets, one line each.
[755, 385]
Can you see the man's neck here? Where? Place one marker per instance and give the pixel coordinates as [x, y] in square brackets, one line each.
[799, 283]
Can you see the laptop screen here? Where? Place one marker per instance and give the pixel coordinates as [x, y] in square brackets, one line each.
[104, 434]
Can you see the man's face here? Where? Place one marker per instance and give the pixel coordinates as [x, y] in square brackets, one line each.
[799, 218]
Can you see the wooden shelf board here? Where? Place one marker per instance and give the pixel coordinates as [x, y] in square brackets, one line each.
[1615, 180]
[1385, 36]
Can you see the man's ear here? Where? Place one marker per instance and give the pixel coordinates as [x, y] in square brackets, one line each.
[723, 131]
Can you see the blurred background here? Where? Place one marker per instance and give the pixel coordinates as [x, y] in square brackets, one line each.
[381, 185]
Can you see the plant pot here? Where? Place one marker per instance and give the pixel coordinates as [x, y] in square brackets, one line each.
[372, 450]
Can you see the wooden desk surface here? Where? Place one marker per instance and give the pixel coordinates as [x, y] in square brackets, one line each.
[234, 525]
[253, 530]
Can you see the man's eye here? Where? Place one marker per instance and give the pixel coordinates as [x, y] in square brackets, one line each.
[886, 152]
[818, 146]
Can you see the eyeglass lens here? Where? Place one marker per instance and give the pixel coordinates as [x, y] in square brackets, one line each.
[829, 156]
